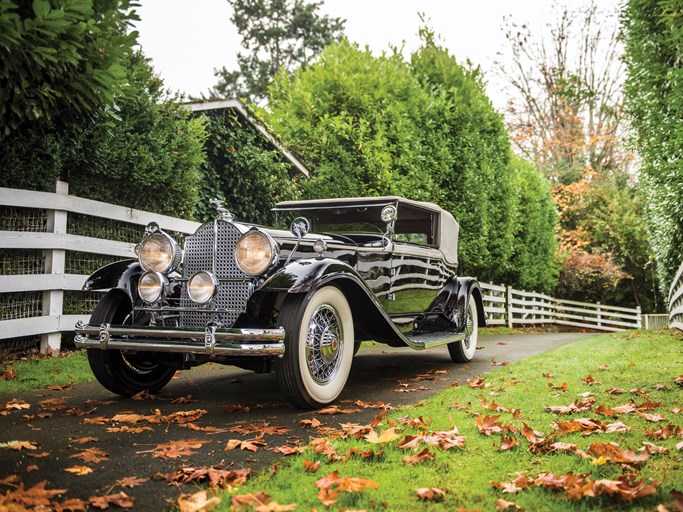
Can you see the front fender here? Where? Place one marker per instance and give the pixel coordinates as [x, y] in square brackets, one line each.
[301, 276]
[123, 275]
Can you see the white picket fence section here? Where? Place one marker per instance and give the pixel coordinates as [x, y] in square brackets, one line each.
[503, 304]
[676, 300]
[506, 306]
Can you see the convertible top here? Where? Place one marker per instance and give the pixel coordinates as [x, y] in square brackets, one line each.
[445, 230]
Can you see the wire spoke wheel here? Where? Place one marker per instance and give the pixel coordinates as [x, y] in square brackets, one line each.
[324, 344]
[463, 351]
[319, 343]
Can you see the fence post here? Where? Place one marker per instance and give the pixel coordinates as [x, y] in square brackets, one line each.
[53, 300]
[508, 305]
[599, 316]
[640, 318]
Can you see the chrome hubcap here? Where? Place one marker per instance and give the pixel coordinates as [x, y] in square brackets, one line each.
[324, 344]
[469, 328]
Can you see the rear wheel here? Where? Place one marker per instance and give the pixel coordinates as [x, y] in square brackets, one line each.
[463, 351]
[122, 372]
[319, 344]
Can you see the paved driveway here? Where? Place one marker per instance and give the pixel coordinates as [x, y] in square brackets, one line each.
[75, 427]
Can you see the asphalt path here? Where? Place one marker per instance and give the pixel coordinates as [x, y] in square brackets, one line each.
[75, 427]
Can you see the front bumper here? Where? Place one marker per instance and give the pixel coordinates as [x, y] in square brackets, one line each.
[212, 340]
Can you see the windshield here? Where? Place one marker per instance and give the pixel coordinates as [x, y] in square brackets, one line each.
[347, 220]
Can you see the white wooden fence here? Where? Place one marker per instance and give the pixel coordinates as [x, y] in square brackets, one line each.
[676, 300]
[55, 241]
[503, 304]
[506, 306]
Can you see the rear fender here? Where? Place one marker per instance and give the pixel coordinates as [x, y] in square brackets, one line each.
[449, 308]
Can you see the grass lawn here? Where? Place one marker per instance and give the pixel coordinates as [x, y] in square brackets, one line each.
[638, 370]
[39, 372]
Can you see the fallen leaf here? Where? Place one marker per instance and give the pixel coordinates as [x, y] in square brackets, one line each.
[561, 387]
[180, 448]
[183, 400]
[502, 504]
[130, 430]
[236, 408]
[430, 494]
[197, 502]
[613, 453]
[120, 500]
[312, 423]
[653, 448]
[79, 470]
[506, 443]
[19, 445]
[94, 455]
[332, 484]
[478, 382]
[419, 457]
[590, 380]
[66, 387]
[651, 417]
[487, 425]
[334, 409]
[83, 440]
[496, 363]
[311, 467]
[131, 481]
[215, 477]
[584, 404]
[287, 450]
[8, 375]
[386, 436]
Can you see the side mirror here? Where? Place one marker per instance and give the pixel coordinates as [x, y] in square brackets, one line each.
[300, 227]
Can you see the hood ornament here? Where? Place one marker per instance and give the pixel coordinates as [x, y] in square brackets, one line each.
[223, 213]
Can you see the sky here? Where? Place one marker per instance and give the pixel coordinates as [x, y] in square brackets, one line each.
[186, 45]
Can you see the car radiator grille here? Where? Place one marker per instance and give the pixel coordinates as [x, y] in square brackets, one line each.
[232, 296]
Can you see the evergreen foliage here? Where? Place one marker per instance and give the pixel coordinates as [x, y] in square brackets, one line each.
[149, 159]
[425, 130]
[62, 57]
[654, 91]
[243, 169]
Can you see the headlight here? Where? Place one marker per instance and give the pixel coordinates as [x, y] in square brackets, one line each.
[159, 253]
[151, 286]
[255, 252]
[202, 287]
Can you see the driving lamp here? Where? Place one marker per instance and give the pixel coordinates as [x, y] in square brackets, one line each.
[151, 286]
[202, 287]
[255, 252]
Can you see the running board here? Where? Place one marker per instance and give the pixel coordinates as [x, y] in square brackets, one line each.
[424, 340]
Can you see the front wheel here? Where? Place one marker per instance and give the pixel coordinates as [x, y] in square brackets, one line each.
[124, 373]
[463, 351]
[319, 343]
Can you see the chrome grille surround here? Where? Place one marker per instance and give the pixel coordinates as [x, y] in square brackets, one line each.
[234, 287]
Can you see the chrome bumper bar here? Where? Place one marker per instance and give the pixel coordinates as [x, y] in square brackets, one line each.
[229, 342]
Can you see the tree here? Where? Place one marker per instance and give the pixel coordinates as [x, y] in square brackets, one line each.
[279, 35]
[654, 91]
[148, 159]
[566, 114]
[62, 58]
[423, 129]
[566, 110]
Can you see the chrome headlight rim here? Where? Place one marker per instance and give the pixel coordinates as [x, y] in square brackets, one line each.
[152, 286]
[202, 294]
[172, 252]
[267, 262]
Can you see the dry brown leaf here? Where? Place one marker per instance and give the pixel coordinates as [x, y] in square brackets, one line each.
[130, 430]
[180, 448]
[83, 440]
[478, 382]
[487, 425]
[331, 485]
[651, 417]
[666, 432]
[502, 504]
[584, 404]
[334, 409]
[181, 400]
[236, 408]
[613, 453]
[386, 436]
[287, 450]
[197, 502]
[79, 470]
[506, 443]
[8, 374]
[94, 455]
[66, 387]
[419, 457]
[496, 363]
[71, 505]
[310, 466]
[590, 380]
[215, 477]
[20, 445]
[120, 500]
[430, 494]
[373, 405]
[312, 423]
[131, 481]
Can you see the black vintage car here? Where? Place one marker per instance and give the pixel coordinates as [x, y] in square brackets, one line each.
[299, 302]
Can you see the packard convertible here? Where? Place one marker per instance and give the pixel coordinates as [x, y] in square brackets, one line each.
[297, 302]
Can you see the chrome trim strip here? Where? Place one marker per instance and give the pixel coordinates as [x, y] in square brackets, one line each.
[231, 342]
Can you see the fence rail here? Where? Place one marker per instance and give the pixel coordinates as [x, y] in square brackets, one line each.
[676, 300]
[50, 279]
